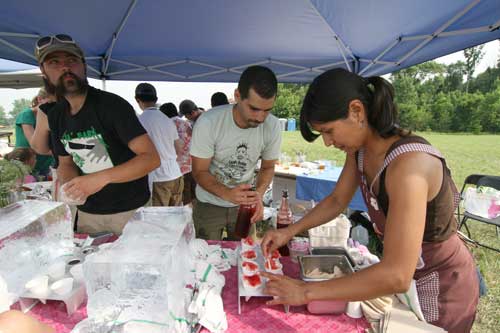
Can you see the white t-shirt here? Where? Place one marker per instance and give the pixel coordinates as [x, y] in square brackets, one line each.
[162, 131]
[234, 151]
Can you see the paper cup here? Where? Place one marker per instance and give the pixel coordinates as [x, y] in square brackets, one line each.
[62, 287]
[38, 286]
[353, 310]
[249, 268]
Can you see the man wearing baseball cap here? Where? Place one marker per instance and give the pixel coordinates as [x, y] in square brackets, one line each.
[104, 152]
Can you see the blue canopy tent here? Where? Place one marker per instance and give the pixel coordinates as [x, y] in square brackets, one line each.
[213, 41]
[7, 66]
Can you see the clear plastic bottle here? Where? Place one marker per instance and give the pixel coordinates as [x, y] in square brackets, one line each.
[285, 218]
[360, 234]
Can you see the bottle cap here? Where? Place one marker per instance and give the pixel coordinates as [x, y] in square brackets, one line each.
[284, 193]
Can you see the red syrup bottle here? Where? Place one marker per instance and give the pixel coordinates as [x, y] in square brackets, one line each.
[284, 219]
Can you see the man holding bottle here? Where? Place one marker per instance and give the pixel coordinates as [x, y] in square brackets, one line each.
[227, 143]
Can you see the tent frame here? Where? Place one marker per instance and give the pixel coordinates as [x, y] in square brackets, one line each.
[375, 66]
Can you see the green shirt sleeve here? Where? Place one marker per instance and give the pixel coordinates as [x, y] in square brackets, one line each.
[26, 117]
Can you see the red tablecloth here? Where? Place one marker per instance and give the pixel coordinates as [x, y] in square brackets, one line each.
[255, 316]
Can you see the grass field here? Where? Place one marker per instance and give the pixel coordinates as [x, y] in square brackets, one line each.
[465, 155]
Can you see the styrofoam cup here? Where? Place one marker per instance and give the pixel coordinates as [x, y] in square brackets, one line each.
[77, 272]
[38, 286]
[62, 287]
[353, 310]
[57, 270]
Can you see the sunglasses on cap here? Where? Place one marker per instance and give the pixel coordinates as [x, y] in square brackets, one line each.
[43, 42]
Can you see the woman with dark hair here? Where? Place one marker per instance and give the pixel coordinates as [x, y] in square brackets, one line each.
[411, 200]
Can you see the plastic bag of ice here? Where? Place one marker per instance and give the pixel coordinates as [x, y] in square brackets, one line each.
[142, 275]
[33, 235]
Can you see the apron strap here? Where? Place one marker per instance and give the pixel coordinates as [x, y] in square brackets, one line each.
[407, 148]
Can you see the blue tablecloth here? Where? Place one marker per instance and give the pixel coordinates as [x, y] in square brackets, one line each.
[316, 187]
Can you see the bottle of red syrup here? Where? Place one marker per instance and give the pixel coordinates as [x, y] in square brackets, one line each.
[245, 213]
[284, 219]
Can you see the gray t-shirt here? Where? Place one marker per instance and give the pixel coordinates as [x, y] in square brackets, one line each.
[234, 151]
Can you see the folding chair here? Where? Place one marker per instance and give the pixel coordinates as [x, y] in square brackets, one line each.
[479, 180]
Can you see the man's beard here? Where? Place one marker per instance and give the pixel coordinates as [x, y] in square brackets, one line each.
[78, 87]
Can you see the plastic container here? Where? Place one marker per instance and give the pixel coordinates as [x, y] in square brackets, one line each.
[360, 234]
[332, 234]
[298, 247]
[325, 263]
[291, 124]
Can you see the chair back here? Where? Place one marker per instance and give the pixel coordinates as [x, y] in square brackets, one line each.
[489, 181]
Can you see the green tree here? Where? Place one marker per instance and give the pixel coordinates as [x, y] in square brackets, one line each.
[473, 56]
[3, 117]
[489, 110]
[454, 76]
[289, 100]
[486, 81]
[19, 105]
[442, 112]
[467, 116]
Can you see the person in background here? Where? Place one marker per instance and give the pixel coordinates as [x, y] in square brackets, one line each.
[188, 109]
[104, 152]
[219, 98]
[227, 143]
[411, 200]
[165, 181]
[25, 129]
[26, 156]
[184, 131]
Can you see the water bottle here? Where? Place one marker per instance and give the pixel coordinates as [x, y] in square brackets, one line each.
[360, 234]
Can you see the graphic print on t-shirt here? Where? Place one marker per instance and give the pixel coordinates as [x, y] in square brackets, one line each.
[235, 166]
[88, 150]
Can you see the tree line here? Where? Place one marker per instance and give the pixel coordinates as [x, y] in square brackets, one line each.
[431, 96]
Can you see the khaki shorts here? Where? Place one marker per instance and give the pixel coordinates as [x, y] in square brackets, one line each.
[94, 223]
[168, 193]
[213, 222]
[188, 195]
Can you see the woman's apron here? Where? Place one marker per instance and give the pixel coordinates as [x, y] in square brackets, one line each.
[445, 278]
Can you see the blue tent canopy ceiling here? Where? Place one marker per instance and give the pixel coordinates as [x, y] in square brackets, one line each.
[213, 41]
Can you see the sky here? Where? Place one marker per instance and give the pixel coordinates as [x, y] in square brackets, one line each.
[200, 93]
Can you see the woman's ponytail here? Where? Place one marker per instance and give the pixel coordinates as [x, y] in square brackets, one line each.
[383, 113]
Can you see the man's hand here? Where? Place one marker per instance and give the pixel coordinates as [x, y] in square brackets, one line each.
[274, 239]
[242, 194]
[259, 212]
[284, 289]
[80, 188]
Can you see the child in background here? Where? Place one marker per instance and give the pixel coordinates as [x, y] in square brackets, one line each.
[27, 156]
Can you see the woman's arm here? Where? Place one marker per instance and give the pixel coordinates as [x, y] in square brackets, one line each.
[41, 135]
[408, 187]
[328, 209]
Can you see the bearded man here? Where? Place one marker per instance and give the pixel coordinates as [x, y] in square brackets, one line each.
[104, 152]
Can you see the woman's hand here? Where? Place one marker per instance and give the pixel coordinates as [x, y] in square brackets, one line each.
[274, 239]
[285, 290]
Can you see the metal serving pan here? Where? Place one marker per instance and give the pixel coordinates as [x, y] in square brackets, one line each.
[325, 263]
